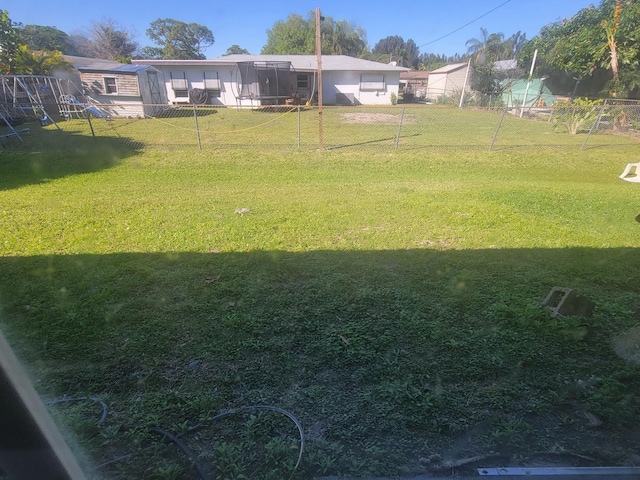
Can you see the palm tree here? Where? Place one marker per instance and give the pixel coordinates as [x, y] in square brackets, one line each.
[485, 51]
[41, 62]
[514, 44]
[488, 48]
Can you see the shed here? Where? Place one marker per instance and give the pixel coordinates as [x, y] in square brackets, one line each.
[538, 95]
[447, 81]
[121, 90]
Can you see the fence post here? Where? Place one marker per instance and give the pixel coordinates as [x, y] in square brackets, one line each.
[400, 127]
[195, 117]
[495, 135]
[93, 134]
[298, 127]
[595, 125]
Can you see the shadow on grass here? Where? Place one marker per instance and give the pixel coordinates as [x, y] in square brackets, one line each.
[48, 153]
[386, 355]
[187, 111]
[369, 142]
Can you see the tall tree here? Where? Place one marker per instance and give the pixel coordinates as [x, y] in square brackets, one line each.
[179, 40]
[341, 37]
[432, 61]
[569, 45]
[111, 41]
[19, 59]
[39, 62]
[580, 48]
[628, 49]
[484, 53]
[38, 37]
[394, 48]
[150, 53]
[295, 35]
[490, 47]
[236, 50]
[611, 29]
[8, 42]
[106, 39]
[513, 45]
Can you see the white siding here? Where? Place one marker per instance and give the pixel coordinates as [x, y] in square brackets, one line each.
[348, 85]
[437, 85]
[334, 83]
[455, 82]
[121, 107]
[195, 78]
[446, 84]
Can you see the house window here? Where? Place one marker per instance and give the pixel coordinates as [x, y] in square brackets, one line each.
[178, 82]
[212, 82]
[302, 81]
[110, 85]
[372, 82]
[181, 93]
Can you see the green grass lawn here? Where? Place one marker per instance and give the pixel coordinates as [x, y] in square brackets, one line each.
[389, 300]
[291, 129]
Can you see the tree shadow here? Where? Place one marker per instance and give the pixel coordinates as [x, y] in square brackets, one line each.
[47, 154]
[389, 355]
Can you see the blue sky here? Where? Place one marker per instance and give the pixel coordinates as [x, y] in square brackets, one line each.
[245, 22]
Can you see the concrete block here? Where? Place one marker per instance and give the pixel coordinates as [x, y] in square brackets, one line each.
[565, 302]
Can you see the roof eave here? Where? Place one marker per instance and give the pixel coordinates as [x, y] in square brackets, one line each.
[163, 62]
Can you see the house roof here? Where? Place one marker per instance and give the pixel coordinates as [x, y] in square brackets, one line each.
[86, 64]
[449, 68]
[414, 75]
[163, 62]
[505, 65]
[298, 62]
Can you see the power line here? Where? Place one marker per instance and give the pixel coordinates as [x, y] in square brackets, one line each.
[465, 25]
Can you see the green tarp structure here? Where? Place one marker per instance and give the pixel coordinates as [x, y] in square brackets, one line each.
[538, 94]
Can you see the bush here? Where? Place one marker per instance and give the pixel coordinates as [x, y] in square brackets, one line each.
[451, 99]
[577, 116]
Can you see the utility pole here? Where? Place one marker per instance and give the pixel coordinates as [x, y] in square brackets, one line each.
[319, 56]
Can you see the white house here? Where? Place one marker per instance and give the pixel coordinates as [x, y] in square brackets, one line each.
[255, 80]
[448, 81]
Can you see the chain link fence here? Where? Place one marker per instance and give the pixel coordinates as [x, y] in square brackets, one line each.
[391, 128]
[617, 116]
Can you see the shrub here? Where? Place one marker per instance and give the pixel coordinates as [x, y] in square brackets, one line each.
[576, 116]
